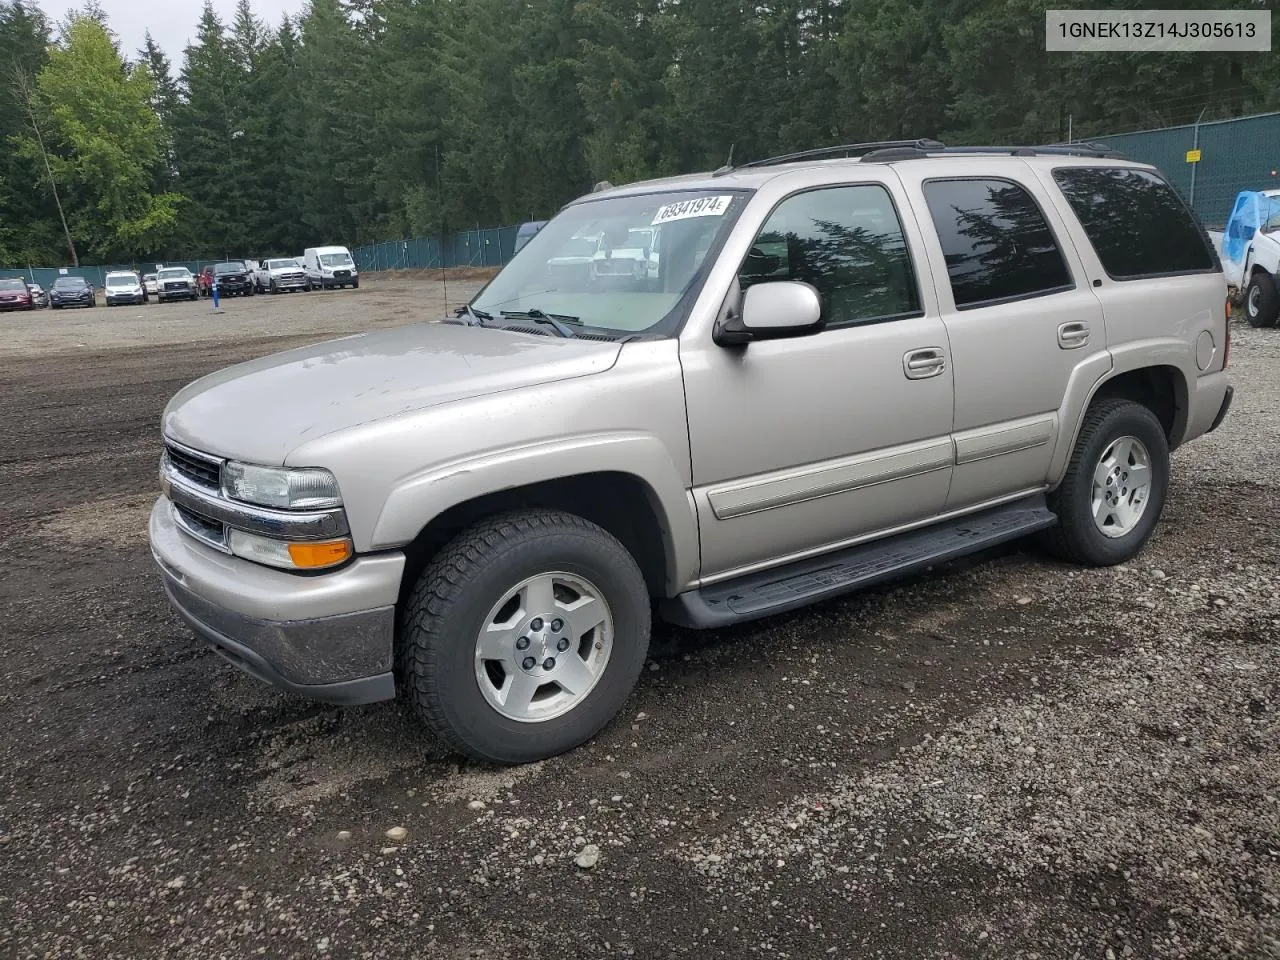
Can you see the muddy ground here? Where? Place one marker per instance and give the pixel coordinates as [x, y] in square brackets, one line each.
[1007, 757]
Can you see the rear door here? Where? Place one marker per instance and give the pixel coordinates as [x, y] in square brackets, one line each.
[1020, 315]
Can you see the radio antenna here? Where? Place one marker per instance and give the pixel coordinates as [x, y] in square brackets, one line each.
[444, 275]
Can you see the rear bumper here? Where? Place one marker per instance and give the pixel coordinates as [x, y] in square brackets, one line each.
[1208, 406]
[326, 636]
[1222, 411]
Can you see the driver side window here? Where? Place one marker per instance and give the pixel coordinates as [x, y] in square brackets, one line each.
[846, 242]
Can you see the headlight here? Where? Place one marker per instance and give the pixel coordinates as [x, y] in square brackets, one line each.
[288, 556]
[287, 488]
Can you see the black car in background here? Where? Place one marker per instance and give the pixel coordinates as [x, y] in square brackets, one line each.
[72, 292]
[233, 279]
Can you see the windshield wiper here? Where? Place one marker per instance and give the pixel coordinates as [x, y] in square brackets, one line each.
[475, 318]
[555, 320]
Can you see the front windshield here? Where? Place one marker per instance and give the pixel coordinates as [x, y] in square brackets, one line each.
[335, 259]
[620, 264]
[65, 283]
[174, 274]
[281, 264]
[229, 268]
[126, 281]
[7, 284]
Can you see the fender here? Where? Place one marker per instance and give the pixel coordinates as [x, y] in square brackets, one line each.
[422, 496]
[1094, 374]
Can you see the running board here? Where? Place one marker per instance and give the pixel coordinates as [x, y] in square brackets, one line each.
[817, 578]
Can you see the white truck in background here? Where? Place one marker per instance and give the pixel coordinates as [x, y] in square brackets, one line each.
[279, 275]
[1251, 255]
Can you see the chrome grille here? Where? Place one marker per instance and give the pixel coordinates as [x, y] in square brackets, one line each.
[202, 470]
[212, 532]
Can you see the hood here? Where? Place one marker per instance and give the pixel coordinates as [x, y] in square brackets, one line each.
[261, 410]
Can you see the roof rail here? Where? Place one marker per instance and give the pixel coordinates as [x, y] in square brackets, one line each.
[842, 150]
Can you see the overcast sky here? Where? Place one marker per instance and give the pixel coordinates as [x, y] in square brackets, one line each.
[171, 22]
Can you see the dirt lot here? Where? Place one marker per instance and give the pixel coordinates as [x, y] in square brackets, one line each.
[1008, 757]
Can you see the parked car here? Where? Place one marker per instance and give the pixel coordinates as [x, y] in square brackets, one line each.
[233, 279]
[124, 286]
[72, 292]
[526, 232]
[846, 370]
[39, 297]
[151, 284]
[1251, 251]
[15, 294]
[176, 283]
[281, 275]
[330, 267]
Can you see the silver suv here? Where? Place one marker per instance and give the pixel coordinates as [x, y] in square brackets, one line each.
[843, 366]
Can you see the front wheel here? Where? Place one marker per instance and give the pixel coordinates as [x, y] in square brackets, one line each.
[1114, 488]
[355, 284]
[525, 636]
[1261, 302]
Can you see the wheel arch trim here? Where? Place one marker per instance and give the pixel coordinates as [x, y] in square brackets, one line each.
[425, 495]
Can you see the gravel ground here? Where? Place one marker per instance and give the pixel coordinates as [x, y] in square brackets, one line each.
[1006, 757]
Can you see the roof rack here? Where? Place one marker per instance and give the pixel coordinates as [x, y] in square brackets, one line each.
[839, 150]
[1080, 149]
[888, 150]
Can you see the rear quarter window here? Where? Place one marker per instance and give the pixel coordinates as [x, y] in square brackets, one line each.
[1137, 223]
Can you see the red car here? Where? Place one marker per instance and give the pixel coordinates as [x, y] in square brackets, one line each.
[15, 295]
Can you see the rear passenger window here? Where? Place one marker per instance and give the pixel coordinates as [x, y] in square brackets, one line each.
[1136, 222]
[845, 241]
[996, 242]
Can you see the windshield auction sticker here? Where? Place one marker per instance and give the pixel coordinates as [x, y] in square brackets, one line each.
[697, 207]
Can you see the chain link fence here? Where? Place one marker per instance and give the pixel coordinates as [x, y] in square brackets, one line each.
[1234, 155]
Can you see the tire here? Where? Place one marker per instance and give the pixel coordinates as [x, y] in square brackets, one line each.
[273, 289]
[355, 285]
[1079, 535]
[1261, 302]
[459, 593]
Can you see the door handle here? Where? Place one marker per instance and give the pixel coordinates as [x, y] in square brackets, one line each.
[1072, 335]
[924, 363]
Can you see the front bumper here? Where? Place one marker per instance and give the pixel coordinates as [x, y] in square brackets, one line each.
[113, 299]
[327, 636]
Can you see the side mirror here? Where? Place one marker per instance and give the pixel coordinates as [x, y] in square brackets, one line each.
[772, 311]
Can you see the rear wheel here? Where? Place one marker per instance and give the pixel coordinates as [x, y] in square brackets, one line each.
[1261, 302]
[525, 636]
[1114, 488]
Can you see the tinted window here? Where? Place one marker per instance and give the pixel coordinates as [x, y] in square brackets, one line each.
[845, 241]
[995, 240]
[1136, 222]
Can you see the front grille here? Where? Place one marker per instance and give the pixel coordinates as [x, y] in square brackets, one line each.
[341, 274]
[175, 285]
[199, 469]
[212, 532]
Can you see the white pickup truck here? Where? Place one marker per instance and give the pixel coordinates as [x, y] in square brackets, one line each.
[280, 275]
[1251, 255]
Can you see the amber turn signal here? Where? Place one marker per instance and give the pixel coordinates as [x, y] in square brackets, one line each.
[311, 556]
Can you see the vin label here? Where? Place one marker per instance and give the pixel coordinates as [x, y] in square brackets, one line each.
[1157, 31]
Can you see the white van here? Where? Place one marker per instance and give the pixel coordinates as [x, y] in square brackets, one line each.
[330, 267]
